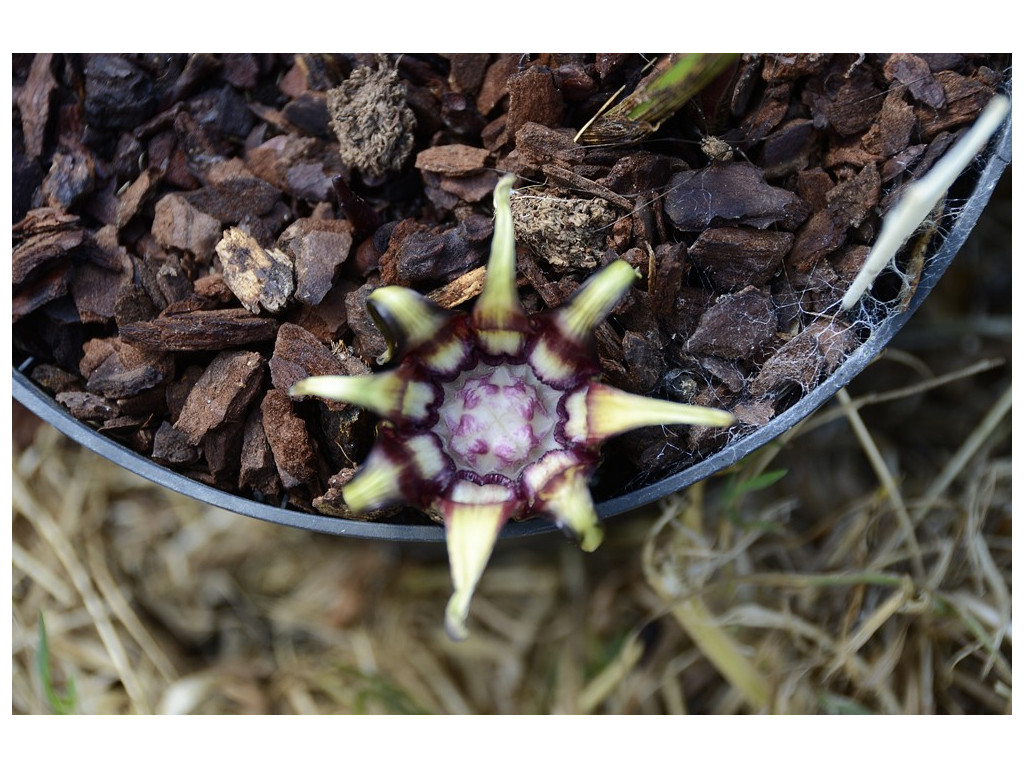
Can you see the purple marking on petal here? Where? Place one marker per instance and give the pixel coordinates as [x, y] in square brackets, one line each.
[498, 421]
[470, 396]
[469, 425]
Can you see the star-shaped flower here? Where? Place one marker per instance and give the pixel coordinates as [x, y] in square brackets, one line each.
[495, 415]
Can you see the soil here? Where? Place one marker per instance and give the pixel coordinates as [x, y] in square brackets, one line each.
[195, 233]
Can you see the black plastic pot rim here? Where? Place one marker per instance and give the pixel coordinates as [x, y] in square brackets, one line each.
[44, 406]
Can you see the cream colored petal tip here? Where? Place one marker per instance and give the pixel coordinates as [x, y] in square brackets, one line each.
[567, 500]
[381, 393]
[405, 317]
[600, 412]
[596, 299]
[376, 484]
[498, 306]
[471, 533]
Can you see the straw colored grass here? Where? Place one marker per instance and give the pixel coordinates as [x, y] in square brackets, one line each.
[731, 597]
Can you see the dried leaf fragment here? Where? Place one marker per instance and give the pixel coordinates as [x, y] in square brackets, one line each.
[676, 80]
[569, 233]
[373, 123]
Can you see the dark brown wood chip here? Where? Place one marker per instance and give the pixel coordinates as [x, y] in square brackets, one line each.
[33, 101]
[539, 145]
[41, 250]
[814, 352]
[235, 199]
[200, 330]
[851, 107]
[853, 199]
[128, 370]
[179, 224]
[44, 286]
[664, 285]
[848, 203]
[257, 471]
[95, 291]
[71, 178]
[494, 87]
[172, 446]
[222, 449]
[54, 378]
[130, 202]
[734, 257]
[467, 71]
[914, 72]
[289, 440]
[645, 360]
[416, 255]
[790, 148]
[640, 172]
[533, 98]
[730, 193]
[88, 407]
[452, 159]
[965, 97]
[317, 247]
[222, 393]
[332, 502]
[299, 354]
[739, 325]
[468, 189]
[891, 133]
[771, 110]
[370, 342]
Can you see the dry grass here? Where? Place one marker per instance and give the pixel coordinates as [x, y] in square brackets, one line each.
[722, 601]
[874, 576]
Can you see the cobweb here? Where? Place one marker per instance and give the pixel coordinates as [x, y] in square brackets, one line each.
[890, 297]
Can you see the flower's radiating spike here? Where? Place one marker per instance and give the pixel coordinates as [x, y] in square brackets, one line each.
[595, 300]
[498, 314]
[407, 319]
[392, 395]
[380, 392]
[562, 350]
[599, 412]
[499, 298]
[471, 530]
[567, 500]
[398, 471]
[377, 483]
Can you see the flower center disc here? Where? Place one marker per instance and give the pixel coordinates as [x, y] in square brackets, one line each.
[498, 420]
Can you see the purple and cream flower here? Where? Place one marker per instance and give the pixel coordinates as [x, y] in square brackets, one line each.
[495, 415]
